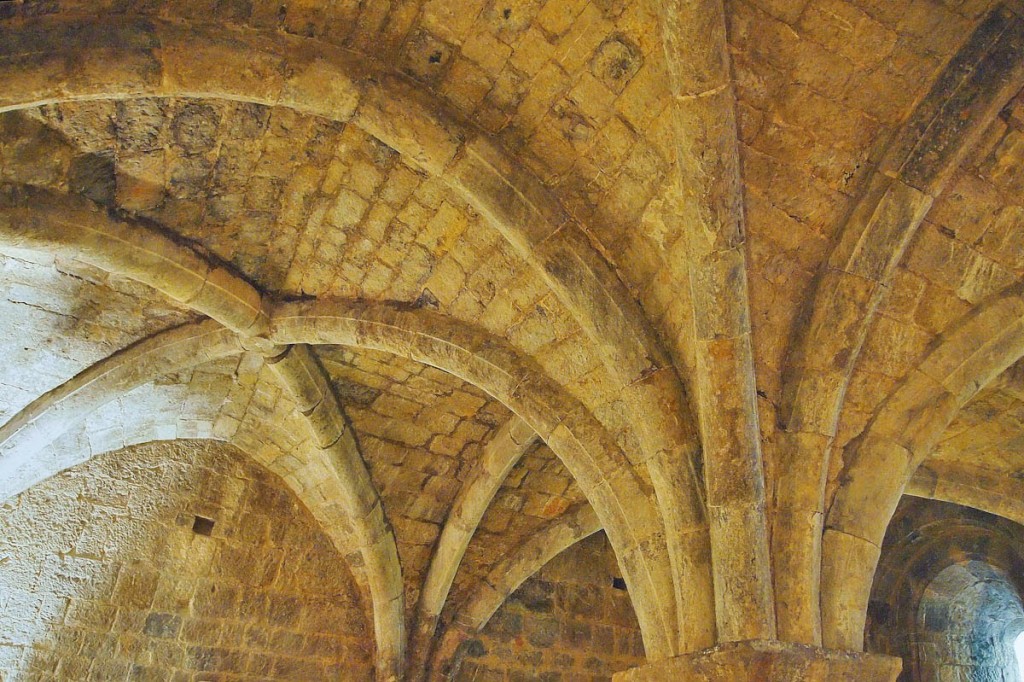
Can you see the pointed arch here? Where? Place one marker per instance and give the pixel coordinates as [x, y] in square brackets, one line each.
[506, 447]
[969, 486]
[973, 87]
[47, 417]
[51, 60]
[626, 509]
[310, 484]
[40, 219]
[902, 432]
[506, 577]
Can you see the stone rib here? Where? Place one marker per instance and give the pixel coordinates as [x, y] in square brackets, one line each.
[154, 58]
[969, 486]
[305, 379]
[307, 483]
[500, 456]
[707, 153]
[902, 432]
[50, 415]
[602, 471]
[40, 219]
[73, 226]
[506, 577]
[976, 84]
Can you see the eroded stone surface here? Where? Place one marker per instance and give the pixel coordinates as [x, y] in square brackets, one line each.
[130, 583]
[529, 172]
[568, 619]
[769, 661]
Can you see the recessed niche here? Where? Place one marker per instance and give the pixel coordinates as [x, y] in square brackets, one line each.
[203, 526]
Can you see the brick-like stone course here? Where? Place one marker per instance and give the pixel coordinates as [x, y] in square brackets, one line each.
[519, 168]
[123, 588]
[537, 490]
[568, 622]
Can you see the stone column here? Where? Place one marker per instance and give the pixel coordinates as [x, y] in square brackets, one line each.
[711, 187]
[767, 661]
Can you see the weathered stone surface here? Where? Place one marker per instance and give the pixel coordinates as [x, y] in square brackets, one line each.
[944, 127]
[499, 457]
[125, 583]
[568, 618]
[768, 661]
[742, 267]
[600, 468]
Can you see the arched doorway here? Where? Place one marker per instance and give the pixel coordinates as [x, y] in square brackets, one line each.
[970, 620]
[949, 595]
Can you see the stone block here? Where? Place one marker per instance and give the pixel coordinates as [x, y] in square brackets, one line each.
[767, 661]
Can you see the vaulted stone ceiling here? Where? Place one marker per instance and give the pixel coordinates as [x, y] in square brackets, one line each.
[477, 278]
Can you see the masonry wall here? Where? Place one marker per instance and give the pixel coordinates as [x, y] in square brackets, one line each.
[569, 623]
[105, 574]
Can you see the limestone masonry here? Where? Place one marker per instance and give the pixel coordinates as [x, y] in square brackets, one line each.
[508, 340]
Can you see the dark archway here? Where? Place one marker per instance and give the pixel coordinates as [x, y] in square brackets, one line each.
[968, 620]
[948, 594]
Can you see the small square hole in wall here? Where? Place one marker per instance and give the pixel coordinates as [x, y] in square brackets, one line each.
[202, 526]
[619, 583]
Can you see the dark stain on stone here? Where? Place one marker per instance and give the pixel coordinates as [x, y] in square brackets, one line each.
[195, 127]
[616, 61]
[163, 625]
[426, 57]
[351, 393]
[249, 121]
[960, 99]
[428, 300]
[12, 8]
[383, 156]
[575, 126]
[474, 648]
[236, 10]
[535, 596]
[138, 123]
[93, 176]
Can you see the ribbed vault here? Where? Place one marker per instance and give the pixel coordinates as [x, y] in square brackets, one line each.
[478, 280]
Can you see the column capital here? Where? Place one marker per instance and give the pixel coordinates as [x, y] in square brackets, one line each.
[768, 661]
